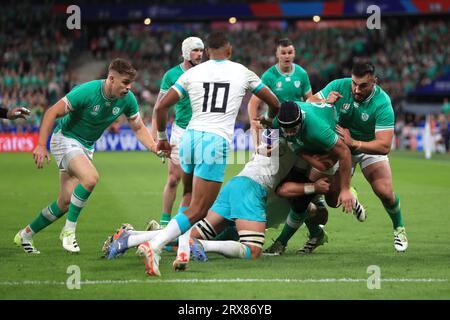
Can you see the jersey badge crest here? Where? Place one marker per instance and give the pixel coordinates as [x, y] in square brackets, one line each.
[364, 117]
[297, 83]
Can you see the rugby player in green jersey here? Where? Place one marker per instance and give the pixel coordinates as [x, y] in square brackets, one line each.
[366, 125]
[287, 80]
[84, 113]
[192, 51]
[315, 135]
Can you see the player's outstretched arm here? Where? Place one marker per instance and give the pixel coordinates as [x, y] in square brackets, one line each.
[142, 133]
[346, 197]
[154, 125]
[266, 95]
[297, 189]
[161, 110]
[255, 126]
[40, 153]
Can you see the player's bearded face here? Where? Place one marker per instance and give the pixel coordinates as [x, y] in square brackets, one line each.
[196, 56]
[362, 87]
[285, 55]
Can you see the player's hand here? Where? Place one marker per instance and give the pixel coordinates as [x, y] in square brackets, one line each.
[40, 153]
[255, 125]
[19, 112]
[347, 199]
[163, 149]
[333, 96]
[322, 186]
[344, 135]
[264, 122]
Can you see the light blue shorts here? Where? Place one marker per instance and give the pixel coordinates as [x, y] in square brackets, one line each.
[204, 154]
[241, 198]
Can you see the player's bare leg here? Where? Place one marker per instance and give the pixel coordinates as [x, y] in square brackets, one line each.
[170, 191]
[83, 169]
[379, 176]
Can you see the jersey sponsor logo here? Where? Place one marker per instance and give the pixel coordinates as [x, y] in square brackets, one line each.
[279, 84]
[288, 79]
[297, 83]
[115, 110]
[95, 109]
[364, 116]
[108, 104]
[356, 104]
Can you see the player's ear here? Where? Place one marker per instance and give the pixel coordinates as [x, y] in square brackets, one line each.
[206, 51]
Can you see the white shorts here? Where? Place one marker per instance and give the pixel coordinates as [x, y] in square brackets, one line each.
[65, 149]
[366, 160]
[175, 138]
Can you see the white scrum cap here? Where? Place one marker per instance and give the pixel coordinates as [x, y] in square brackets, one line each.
[190, 44]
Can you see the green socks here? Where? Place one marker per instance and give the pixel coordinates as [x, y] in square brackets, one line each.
[165, 218]
[293, 222]
[395, 213]
[46, 217]
[79, 198]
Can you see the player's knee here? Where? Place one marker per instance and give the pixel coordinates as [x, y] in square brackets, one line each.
[384, 192]
[173, 180]
[90, 181]
[386, 197]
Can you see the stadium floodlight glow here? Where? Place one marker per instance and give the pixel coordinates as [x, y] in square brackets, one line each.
[147, 21]
[232, 20]
[316, 19]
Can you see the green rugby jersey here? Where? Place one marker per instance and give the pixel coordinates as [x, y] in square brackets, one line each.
[287, 87]
[183, 110]
[365, 118]
[91, 112]
[317, 134]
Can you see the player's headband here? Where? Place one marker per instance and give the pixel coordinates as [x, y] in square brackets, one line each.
[289, 115]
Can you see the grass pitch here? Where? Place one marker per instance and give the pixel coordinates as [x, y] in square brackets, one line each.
[130, 190]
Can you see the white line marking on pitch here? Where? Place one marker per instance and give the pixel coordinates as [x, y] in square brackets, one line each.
[237, 280]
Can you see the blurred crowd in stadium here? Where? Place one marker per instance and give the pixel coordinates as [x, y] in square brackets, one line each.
[38, 57]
